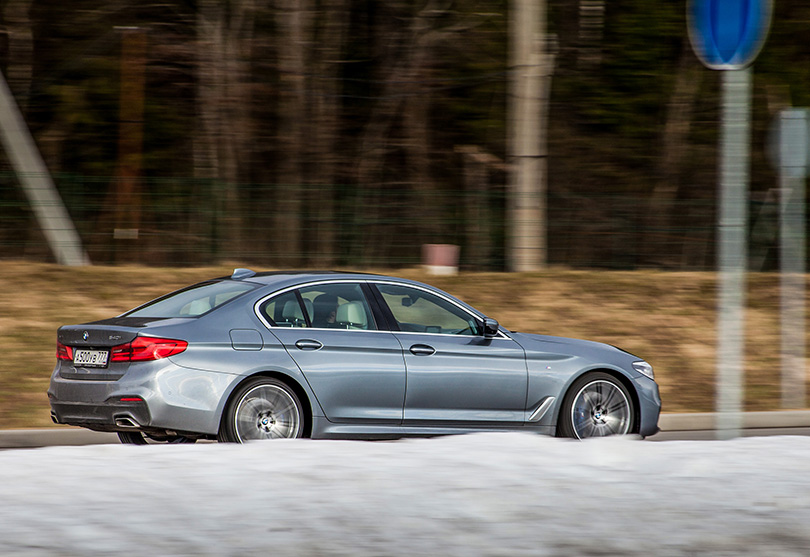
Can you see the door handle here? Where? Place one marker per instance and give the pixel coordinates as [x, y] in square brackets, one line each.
[422, 350]
[308, 344]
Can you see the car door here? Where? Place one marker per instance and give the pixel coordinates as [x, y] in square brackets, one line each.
[356, 371]
[455, 375]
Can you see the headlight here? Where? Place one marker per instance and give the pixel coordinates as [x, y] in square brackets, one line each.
[644, 368]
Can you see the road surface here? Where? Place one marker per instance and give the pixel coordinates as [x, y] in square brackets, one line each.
[674, 427]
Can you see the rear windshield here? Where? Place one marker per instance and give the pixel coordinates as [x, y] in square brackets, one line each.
[192, 301]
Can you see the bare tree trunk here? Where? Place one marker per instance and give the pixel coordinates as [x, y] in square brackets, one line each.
[426, 196]
[374, 145]
[478, 167]
[409, 70]
[223, 144]
[17, 17]
[591, 28]
[326, 132]
[130, 145]
[293, 18]
[662, 212]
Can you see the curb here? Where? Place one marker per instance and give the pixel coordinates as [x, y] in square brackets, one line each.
[57, 436]
[750, 420]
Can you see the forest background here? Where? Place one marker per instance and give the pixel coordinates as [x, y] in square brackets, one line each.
[350, 132]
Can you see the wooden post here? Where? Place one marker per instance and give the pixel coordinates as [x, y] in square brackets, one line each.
[130, 141]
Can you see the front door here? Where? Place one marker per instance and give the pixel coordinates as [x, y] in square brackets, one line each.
[356, 371]
[456, 376]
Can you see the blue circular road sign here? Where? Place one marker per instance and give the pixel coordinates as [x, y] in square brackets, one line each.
[728, 34]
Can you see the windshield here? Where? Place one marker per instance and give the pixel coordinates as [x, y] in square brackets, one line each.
[192, 301]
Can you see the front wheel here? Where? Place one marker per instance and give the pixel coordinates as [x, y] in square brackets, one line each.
[596, 405]
[262, 408]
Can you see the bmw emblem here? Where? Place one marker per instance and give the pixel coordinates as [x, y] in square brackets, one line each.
[85, 335]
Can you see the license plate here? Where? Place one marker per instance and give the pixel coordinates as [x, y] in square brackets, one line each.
[90, 358]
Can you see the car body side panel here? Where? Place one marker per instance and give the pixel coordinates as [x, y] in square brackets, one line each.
[324, 429]
[468, 379]
[357, 375]
[213, 349]
[553, 367]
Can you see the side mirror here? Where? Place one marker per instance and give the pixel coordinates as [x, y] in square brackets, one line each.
[490, 327]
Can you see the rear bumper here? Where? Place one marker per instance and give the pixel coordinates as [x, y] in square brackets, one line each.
[111, 415]
[171, 398]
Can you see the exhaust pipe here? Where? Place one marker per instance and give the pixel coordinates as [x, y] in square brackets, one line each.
[126, 422]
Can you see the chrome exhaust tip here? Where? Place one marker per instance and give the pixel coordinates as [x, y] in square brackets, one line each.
[126, 422]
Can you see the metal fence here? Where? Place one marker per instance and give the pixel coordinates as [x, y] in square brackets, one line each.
[192, 222]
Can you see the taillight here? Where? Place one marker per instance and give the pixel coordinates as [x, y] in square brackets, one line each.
[63, 352]
[147, 348]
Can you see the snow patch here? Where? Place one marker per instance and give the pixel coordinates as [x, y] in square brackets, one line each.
[483, 494]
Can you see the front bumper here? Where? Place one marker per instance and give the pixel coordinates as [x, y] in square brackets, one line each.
[649, 410]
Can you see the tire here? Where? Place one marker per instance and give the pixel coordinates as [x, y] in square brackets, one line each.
[138, 438]
[259, 409]
[596, 405]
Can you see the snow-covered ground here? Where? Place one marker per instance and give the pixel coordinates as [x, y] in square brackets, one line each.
[484, 494]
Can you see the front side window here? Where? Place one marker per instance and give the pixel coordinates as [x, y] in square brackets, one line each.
[192, 301]
[322, 306]
[419, 311]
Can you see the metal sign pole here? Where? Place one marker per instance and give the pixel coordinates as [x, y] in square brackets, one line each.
[727, 36]
[733, 253]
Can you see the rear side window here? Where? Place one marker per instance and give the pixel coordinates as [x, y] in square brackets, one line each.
[322, 306]
[284, 311]
[192, 301]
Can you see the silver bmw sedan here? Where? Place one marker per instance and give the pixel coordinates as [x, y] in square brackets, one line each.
[336, 355]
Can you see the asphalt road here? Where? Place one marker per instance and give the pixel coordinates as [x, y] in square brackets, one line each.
[674, 427]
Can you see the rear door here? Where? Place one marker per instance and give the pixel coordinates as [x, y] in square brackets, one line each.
[455, 375]
[356, 371]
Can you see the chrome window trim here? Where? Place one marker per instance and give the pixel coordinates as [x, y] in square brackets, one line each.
[501, 335]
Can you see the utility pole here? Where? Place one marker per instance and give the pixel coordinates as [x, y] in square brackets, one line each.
[50, 212]
[526, 202]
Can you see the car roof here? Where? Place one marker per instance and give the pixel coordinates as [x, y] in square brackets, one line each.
[293, 277]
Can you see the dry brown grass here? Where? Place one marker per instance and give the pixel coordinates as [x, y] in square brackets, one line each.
[667, 318]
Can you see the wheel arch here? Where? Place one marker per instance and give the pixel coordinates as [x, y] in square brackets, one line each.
[291, 382]
[616, 374]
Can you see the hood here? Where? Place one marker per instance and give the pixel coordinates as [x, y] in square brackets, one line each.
[563, 345]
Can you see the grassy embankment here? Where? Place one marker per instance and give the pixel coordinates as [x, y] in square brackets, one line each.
[667, 318]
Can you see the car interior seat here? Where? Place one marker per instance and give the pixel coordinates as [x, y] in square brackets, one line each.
[351, 315]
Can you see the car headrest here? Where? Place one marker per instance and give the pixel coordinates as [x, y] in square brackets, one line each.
[352, 315]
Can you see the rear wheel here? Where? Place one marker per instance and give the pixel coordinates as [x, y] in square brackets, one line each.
[596, 405]
[138, 438]
[262, 408]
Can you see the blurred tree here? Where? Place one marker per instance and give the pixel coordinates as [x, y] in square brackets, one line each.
[19, 30]
[335, 132]
[225, 141]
